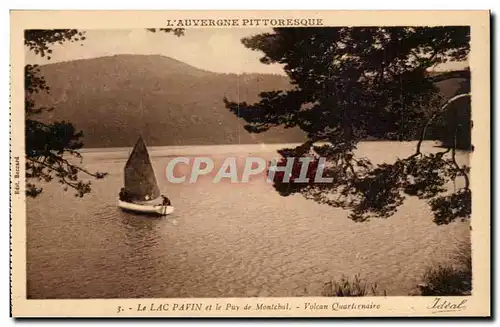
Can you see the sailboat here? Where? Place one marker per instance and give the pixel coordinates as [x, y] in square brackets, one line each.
[141, 187]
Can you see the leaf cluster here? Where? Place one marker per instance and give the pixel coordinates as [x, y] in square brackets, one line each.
[354, 83]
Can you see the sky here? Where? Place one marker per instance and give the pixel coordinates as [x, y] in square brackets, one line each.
[218, 50]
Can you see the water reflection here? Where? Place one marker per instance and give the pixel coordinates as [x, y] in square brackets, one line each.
[146, 221]
[222, 240]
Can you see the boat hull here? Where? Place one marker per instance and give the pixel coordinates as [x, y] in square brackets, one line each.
[149, 209]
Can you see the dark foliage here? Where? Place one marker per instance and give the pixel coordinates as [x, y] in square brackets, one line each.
[354, 83]
[346, 287]
[455, 124]
[453, 279]
[49, 147]
[41, 41]
[175, 31]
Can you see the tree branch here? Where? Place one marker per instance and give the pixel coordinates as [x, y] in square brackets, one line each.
[62, 170]
[455, 163]
[96, 175]
[441, 110]
[41, 163]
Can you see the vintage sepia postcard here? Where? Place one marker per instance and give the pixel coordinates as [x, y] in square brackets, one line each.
[250, 163]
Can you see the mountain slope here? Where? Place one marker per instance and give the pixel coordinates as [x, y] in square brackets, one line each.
[114, 99]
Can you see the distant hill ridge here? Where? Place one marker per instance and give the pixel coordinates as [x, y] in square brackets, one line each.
[114, 99]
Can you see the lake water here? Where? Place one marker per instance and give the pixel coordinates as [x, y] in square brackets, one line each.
[223, 240]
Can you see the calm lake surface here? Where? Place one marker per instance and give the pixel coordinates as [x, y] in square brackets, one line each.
[223, 240]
